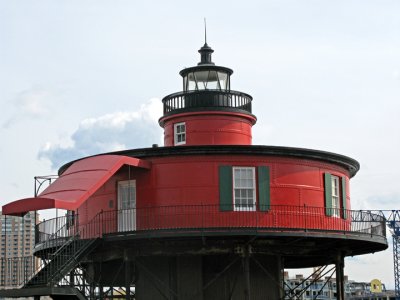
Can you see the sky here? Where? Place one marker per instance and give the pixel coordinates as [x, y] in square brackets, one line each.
[80, 77]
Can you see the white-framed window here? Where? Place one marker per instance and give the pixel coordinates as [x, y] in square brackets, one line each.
[335, 196]
[180, 133]
[244, 188]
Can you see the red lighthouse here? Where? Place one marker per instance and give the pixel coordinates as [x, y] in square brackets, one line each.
[207, 216]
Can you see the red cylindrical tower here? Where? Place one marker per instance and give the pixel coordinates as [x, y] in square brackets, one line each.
[207, 111]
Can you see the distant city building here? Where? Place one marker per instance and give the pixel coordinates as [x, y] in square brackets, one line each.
[311, 288]
[16, 252]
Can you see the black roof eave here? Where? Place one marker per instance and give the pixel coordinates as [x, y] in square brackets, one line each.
[346, 162]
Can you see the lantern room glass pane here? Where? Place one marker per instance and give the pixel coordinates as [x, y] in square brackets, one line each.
[213, 82]
[191, 85]
[202, 79]
[185, 87]
[206, 80]
[223, 80]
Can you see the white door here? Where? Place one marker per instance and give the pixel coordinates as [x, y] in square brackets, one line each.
[127, 205]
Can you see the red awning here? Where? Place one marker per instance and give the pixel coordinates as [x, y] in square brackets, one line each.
[82, 179]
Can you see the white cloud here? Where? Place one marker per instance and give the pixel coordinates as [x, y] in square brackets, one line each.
[111, 132]
[30, 103]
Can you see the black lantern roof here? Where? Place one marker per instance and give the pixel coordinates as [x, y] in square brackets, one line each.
[205, 63]
[205, 54]
[206, 75]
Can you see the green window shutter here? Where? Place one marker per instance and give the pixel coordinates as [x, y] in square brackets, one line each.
[344, 197]
[263, 188]
[328, 194]
[225, 188]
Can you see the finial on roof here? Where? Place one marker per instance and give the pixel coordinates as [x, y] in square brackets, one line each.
[205, 51]
[205, 31]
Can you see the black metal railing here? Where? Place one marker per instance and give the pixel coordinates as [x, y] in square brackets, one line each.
[206, 99]
[211, 217]
[62, 249]
[53, 228]
[54, 234]
[66, 244]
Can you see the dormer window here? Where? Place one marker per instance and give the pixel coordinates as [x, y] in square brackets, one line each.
[180, 134]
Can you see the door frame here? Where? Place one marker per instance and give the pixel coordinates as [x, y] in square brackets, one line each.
[126, 215]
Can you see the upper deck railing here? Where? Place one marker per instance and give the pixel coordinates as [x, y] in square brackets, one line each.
[203, 218]
[192, 219]
[211, 99]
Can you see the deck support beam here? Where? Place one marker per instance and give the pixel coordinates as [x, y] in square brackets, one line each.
[127, 275]
[340, 277]
[246, 269]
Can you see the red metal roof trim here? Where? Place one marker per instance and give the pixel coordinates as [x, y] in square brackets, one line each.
[81, 180]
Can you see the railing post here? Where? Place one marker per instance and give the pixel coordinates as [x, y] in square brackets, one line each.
[100, 224]
[36, 233]
[257, 220]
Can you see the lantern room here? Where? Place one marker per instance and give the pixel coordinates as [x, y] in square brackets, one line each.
[206, 76]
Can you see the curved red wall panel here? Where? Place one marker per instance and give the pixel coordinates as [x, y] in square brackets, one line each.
[185, 191]
[194, 179]
[211, 128]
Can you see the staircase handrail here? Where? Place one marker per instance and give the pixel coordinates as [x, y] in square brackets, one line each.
[49, 243]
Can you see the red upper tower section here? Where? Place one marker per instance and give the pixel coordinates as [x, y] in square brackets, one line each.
[207, 111]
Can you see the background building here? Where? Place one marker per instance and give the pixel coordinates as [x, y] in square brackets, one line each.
[314, 287]
[16, 252]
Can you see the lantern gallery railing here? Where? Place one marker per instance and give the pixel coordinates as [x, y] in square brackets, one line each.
[182, 101]
[201, 218]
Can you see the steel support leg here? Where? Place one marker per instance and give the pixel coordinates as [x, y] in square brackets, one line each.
[91, 293]
[71, 278]
[340, 277]
[127, 278]
[101, 293]
[246, 269]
